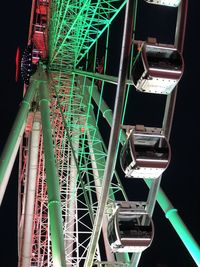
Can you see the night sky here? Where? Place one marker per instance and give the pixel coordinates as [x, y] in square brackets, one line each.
[180, 181]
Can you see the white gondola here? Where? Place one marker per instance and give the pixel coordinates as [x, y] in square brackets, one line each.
[173, 3]
[130, 228]
[146, 153]
[158, 67]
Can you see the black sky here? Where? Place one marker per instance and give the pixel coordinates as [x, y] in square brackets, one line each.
[181, 179]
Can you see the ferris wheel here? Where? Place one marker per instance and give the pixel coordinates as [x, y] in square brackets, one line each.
[76, 151]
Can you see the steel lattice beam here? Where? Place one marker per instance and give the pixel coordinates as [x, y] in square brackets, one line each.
[75, 27]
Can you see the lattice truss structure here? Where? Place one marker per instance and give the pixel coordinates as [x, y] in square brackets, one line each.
[41, 243]
[74, 30]
[75, 26]
[80, 163]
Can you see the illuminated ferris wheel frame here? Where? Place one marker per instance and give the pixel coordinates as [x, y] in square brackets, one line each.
[40, 82]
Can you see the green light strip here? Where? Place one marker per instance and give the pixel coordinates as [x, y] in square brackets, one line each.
[74, 155]
[75, 28]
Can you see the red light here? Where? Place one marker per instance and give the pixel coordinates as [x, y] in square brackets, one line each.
[17, 64]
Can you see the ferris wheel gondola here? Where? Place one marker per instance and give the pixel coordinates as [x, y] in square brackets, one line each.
[146, 153]
[157, 68]
[130, 228]
[172, 3]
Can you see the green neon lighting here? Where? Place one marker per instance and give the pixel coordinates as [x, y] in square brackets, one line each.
[54, 201]
[75, 26]
[16, 130]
